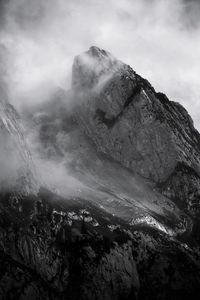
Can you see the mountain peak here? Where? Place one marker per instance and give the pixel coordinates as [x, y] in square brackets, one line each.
[129, 121]
[97, 52]
[91, 66]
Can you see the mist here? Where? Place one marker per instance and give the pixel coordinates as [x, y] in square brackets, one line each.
[159, 39]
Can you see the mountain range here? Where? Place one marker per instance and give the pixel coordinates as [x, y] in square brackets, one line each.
[125, 224]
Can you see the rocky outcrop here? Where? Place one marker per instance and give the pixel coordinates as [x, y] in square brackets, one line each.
[183, 186]
[69, 254]
[132, 123]
[49, 253]
[18, 282]
[128, 120]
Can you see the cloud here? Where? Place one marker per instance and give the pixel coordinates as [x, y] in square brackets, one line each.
[62, 182]
[160, 39]
[53, 155]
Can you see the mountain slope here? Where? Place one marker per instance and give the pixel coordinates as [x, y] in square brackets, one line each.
[65, 249]
[130, 122]
[103, 181]
[17, 170]
[121, 226]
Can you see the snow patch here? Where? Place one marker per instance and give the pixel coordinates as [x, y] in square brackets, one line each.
[150, 221]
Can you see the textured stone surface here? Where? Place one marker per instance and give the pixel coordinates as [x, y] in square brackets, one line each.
[128, 120]
[16, 166]
[17, 170]
[183, 186]
[47, 257]
[17, 282]
[123, 243]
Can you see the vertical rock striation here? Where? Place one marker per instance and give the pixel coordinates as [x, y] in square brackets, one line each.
[132, 123]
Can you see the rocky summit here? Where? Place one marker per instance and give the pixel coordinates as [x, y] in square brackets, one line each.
[125, 224]
[132, 123]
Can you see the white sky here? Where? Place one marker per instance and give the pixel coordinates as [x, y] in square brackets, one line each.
[160, 39]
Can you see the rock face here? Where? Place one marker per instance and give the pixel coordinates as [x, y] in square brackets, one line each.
[128, 120]
[17, 171]
[67, 251]
[117, 238]
[183, 186]
[132, 123]
[81, 252]
[92, 67]
[16, 166]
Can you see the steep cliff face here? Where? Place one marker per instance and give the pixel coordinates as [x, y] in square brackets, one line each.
[16, 166]
[117, 237]
[183, 186]
[128, 120]
[17, 171]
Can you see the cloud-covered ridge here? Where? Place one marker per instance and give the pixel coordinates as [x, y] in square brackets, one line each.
[159, 39]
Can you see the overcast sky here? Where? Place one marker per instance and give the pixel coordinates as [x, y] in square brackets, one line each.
[160, 39]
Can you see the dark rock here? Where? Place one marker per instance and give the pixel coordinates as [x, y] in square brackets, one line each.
[121, 264]
[183, 187]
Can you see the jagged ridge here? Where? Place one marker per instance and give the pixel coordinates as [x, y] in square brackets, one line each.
[128, 120]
